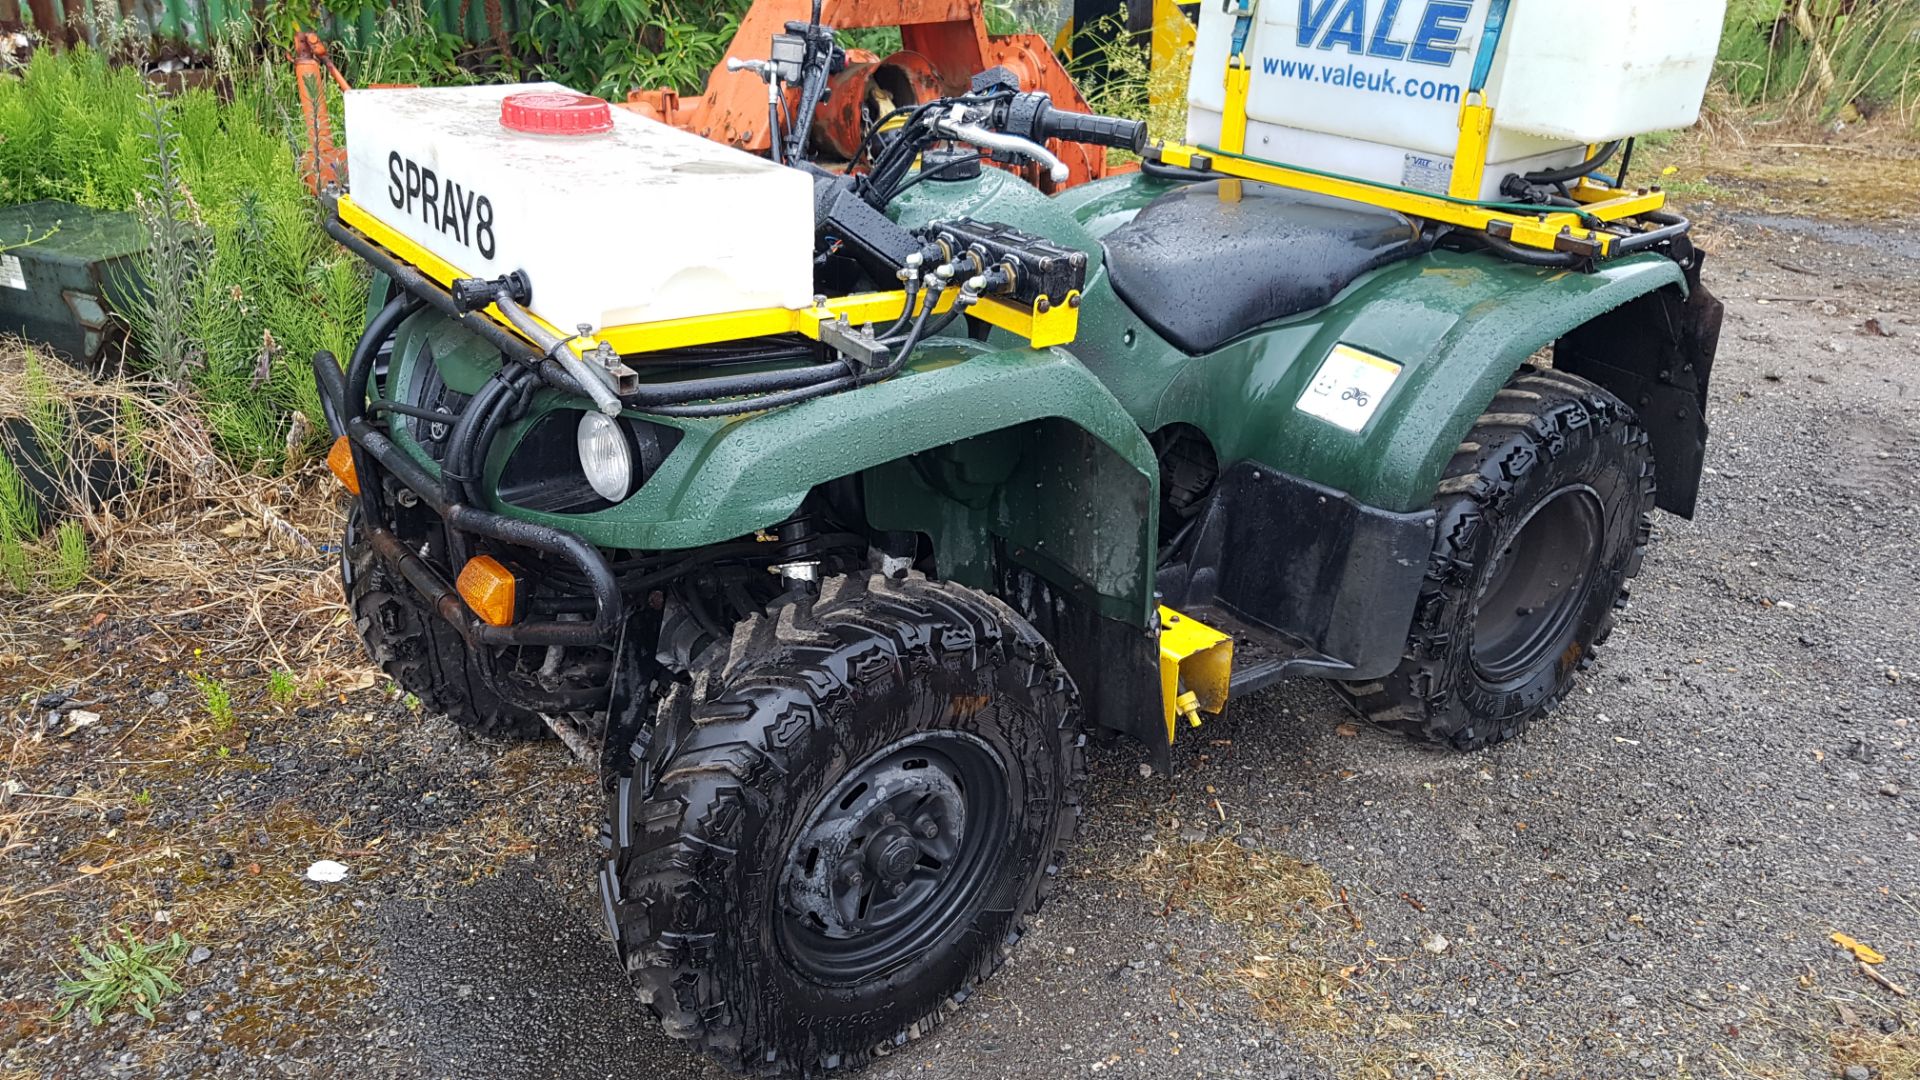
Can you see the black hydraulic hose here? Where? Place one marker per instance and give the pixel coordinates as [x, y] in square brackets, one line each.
[1575, 172]
[795, 397]
[685, 390]
[456, 477]
[454, 481]
[367, 351]
[906, 313]
[755, 404]
[515, 348]
[926, 174]
[353, 404]
[436, 297]
[773, 127]
[1551, 260]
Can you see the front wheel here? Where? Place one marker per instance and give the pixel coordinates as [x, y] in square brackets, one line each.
[1542, 517]
[838, 824]
[417, 649]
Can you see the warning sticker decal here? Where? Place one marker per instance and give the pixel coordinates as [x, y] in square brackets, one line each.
[12, 274]
[1349, 387]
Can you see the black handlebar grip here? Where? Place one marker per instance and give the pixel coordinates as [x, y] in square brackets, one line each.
[1100, 130]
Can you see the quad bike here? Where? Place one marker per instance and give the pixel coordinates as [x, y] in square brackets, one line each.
[837, 590]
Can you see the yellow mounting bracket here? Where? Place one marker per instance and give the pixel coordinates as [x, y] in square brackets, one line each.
[1592, 229]
[1544, 229]
[1196, 668]
[1042, 325]
[1470, 157]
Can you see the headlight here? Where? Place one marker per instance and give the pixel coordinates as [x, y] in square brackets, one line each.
[605, 456]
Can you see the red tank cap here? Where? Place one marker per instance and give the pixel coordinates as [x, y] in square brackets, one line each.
[550, 112]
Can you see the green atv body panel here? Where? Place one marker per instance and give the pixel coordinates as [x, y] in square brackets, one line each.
[1459, 323]
[950, 440]
[1033, 471]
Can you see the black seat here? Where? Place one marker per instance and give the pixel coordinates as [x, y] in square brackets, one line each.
[1207, 262]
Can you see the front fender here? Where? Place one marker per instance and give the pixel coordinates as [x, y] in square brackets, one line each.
[729, 477]
[1459, 324]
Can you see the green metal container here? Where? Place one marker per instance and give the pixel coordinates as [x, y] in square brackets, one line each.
[64, 269]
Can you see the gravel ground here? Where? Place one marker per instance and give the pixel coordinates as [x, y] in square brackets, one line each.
[1643, 886]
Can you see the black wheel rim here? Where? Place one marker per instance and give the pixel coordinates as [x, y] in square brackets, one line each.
[895, 856]
[1531, 601]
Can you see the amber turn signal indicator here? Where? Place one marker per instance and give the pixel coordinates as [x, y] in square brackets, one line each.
[488, 588]
[340, 460]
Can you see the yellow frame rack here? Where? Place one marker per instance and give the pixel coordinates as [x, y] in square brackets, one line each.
[1583, 232]
[1057, 325]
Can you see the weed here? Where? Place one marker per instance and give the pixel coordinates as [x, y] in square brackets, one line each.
[1275, 900]
[608, 47]
[282, 687]
[71, 562]
[143, 798]
[217, 700]
[1118, 78]
[242, 286]
[16, 570]
[46, 410]
[19, 510]
[176, 242]
[1824, 60]
[126, 972]
[401, 44]
[411, 703]
[19, 525]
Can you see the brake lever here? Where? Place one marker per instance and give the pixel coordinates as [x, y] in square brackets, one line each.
[953, 127]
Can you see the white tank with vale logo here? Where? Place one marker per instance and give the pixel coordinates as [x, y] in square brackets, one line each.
[1373, 88]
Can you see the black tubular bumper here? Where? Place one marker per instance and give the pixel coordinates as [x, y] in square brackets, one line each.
[377, 459]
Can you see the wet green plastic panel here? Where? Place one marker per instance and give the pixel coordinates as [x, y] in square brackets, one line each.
[1459, 324]
[729, 477]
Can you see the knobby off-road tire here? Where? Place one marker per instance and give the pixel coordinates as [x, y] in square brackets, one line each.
[834, 733]
[1543, 516]
[418, 650]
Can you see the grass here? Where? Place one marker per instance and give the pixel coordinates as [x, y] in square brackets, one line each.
[1887, 1055]
[128, 972]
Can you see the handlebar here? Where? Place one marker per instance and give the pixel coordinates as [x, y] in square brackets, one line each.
[1033, 116]
[1111, 131]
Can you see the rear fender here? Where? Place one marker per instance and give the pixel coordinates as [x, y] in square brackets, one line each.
[1459, 326]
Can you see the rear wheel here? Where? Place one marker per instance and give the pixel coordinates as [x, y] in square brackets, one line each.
[1543, 516]
[418, 650]
[839, 823]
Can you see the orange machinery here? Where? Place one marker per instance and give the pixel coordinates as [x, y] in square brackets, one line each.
[944, 43]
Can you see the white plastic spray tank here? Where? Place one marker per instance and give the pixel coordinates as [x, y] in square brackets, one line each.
[1373, 88]
[614, 218]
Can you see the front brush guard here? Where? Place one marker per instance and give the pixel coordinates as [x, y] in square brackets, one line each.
[376, 458]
